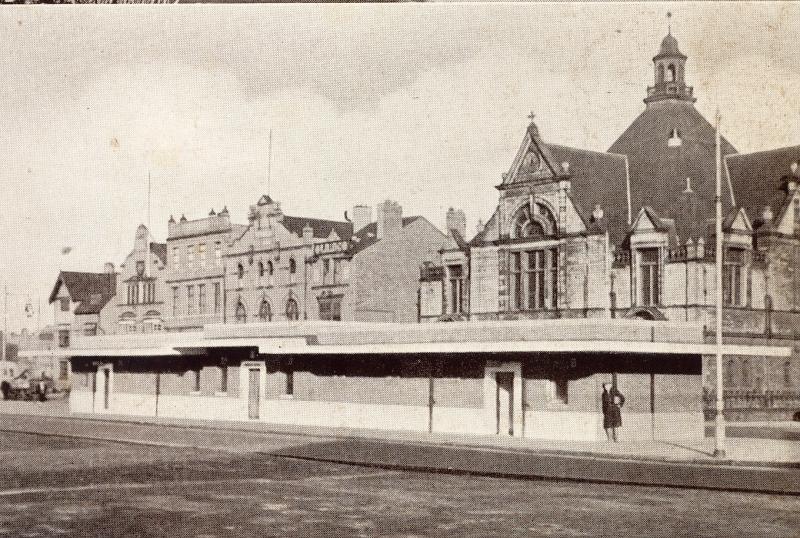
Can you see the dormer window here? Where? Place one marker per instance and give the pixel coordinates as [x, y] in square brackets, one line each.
[674, 139]
[649, 269]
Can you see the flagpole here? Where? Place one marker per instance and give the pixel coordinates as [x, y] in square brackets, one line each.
[147, 259]
[269, 163]
[719, 446]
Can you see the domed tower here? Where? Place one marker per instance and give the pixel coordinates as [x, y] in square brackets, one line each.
[670, 71]
[668, 142]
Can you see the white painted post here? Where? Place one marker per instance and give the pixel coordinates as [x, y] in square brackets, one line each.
[719, 438]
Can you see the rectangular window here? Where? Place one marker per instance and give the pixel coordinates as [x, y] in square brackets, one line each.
[337, 271]
[197, 380]
[65, 304]
[201, 254]
[176, 296]
[733, 263]
[90, 329]
[63, 338]
[176, 257]
[554, 278]
[649, 269]
[189, 255]
[218, 254]
[330, 308]
[536, 274]
[223, 379]
[326, 271]
[456, 288]
[190, 300]
[217, 297]
[201, 298]
[516, 280]
[63, 370]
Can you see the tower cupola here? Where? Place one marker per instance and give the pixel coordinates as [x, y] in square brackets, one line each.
[670, 70]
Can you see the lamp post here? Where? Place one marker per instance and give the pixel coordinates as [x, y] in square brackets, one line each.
[719, 438]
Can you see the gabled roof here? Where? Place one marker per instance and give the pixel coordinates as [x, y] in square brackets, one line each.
[322, 228]
[160, 250]
[658, 172]
[91, 290]
[756, 178]
[367, 236]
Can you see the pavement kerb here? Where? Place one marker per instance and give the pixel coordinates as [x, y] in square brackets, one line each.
[450, 470]
[600, 456]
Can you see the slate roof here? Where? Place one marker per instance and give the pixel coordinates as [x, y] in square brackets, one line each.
[91, 290]
[597, 178]
[757, 178]
[367, 236]
[160, 250]
[322, 228]
[658, 172]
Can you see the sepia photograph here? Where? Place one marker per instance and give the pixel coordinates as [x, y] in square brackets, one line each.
[400, 270]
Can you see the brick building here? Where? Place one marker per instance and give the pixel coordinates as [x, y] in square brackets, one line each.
[287, 268]
[630, 233]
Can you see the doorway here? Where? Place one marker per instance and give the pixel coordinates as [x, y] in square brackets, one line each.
[502, 399]
[254, 393]
[504, 403]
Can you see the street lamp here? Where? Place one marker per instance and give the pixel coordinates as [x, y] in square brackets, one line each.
[719, 437]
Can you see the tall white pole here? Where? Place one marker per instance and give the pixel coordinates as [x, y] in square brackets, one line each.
[269, 163]
[5, 323]
[719, 447]
[147, 258]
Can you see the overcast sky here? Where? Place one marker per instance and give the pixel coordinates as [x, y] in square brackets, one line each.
[423, 104]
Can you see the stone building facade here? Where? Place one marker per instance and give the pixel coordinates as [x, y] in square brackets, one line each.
[629, 233]
[141, 290]
[195, 270]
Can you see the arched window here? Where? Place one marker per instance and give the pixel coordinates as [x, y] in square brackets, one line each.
[292, 311]
[292, 266]
[270, 269]
[241, 313]
[260, 269]
[671, 71]
[240, 270]
[528, 225]
[745, 373]
[265, 311]
[660, 73]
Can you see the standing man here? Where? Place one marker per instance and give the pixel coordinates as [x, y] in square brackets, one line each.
[613, 400]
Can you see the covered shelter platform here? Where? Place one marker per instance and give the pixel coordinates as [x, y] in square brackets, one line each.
[538, 379]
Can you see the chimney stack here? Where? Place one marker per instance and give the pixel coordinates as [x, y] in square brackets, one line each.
[457, 220]
[390, 219]
[362, 216]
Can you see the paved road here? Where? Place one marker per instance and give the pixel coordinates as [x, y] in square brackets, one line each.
[68, 487]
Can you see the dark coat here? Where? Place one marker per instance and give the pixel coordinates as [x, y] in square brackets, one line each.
[612, 412]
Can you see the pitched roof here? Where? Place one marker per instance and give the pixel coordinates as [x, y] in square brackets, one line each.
[368, 236]
[658, 172]
[160, 250]
[322, 228]
[597, 178]
[91, 290]
[756, 178]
